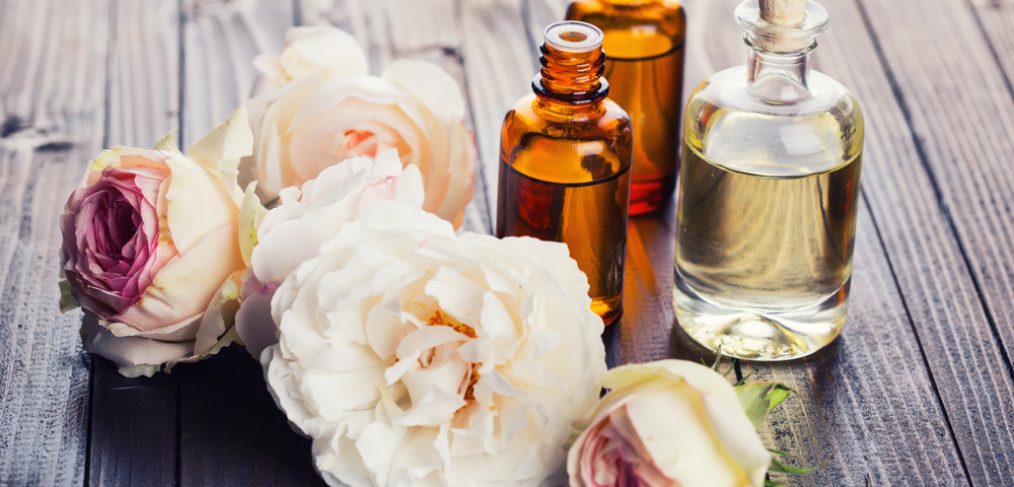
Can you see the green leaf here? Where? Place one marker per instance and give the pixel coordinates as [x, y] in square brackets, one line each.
[760, 398]
[778, 466]
[772, 483]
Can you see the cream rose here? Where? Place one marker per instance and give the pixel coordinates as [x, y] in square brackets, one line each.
[412, 356]
[323, 116]
[305, 218]
[149, 240]
[668, 423]
[313, 50]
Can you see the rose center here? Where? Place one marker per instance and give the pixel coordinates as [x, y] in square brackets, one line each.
[361, 143]
[467, 388]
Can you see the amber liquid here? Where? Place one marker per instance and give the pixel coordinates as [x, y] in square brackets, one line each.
[569, 181]
[645, 72]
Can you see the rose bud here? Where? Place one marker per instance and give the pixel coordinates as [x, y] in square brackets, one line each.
[150, 241]
[668, 423]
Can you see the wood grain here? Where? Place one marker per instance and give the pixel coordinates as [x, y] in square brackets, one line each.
[134, 421]
[133, 428]
[996, 19]
[948, 137]
[231, 431]
[52, 75]
[220, 40]
[840, 419]
[960, 105]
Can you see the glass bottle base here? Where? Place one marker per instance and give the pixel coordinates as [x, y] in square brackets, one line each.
[759, 335]
[648, 196]
[609, 309]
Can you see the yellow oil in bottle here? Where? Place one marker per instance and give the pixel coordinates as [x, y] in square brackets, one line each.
[783, 242]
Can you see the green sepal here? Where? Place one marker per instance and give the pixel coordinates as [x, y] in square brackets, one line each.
[67, 300]
[778, 466]
[760, 398]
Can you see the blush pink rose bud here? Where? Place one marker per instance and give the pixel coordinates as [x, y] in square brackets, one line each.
[668, 423]
[150, 241]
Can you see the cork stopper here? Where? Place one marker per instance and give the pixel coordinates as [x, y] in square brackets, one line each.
[783, 12]
[782, 26]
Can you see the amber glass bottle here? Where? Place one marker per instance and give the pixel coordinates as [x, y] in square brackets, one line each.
[565, 163]
[644, 65]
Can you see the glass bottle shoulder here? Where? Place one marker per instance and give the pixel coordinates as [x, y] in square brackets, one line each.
[735, 124]
[569, 146]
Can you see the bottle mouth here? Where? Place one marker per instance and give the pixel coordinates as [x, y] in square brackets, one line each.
[782, 38]
[574, 36]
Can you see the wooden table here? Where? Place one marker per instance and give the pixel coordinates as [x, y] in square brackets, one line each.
[919, 390]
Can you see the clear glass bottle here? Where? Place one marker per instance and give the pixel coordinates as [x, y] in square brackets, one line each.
[768, 197]
[644, 65]
[565, 163]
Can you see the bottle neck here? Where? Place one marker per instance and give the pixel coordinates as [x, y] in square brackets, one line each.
[570, 78]
[794, 66]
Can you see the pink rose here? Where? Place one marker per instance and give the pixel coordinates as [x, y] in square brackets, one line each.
[148, 241]
[668, 423]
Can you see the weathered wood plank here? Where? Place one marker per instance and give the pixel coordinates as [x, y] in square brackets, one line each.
[841, 419]
[965, 130]
[232, 433]
[423, 29]
[133, 421]
[220, 40]
[52, 75]
[996, 18]
[952, 177]
[133, 428]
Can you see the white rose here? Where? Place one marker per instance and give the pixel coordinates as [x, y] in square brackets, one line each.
[313, 50]
[668, 423]
[412, 356]
[322, 117]
[293, 231]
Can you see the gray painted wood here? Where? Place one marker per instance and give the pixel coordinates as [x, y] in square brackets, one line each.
[943, 200]
[52, 75]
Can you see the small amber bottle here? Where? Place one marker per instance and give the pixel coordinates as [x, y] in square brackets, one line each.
[565, 155]
[644, 64]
